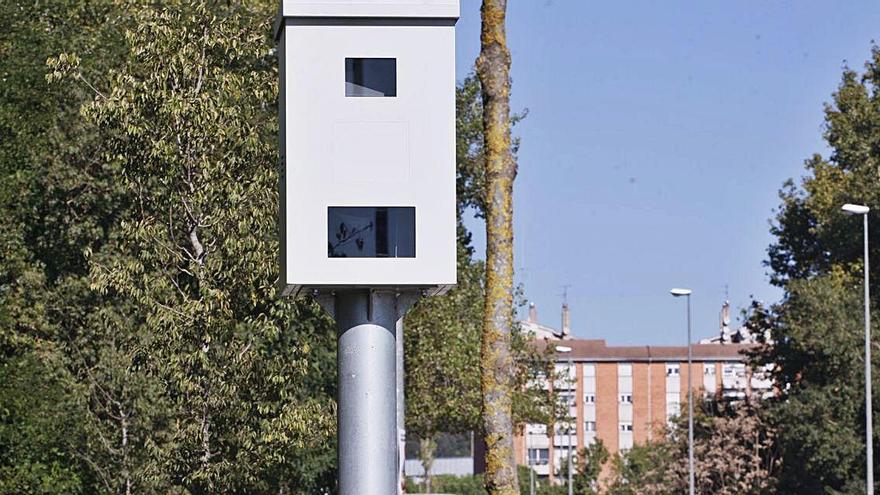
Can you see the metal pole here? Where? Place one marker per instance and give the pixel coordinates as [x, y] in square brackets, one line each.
[401, 411]
[570, 466]
[690, 401]
[869, 420]
[531, 477]
[367, 399]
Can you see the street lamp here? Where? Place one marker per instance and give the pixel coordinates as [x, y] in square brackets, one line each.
[869, 427]
[564, 349]
[531, 475]
[687, 293]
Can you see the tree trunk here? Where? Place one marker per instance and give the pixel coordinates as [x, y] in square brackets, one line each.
[125, 458]
[427, 447]
[493, 69]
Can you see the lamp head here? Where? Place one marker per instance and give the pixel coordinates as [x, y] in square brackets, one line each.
[855, 209]
[680, 292]
[563, 349]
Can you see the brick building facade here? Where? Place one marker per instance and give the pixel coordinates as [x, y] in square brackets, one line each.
[625, 395]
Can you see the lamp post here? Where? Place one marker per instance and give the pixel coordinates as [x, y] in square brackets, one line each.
[531, 476]
[687, 294]
[564, 349]
[869, 427]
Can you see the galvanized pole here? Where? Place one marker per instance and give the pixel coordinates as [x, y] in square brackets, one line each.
[531, 477]
[869, 420]
[687, 293]
[367, 410]
[571, 420]
[690, 402]
[401, 401]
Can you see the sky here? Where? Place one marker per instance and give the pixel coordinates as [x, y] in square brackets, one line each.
[658, 135]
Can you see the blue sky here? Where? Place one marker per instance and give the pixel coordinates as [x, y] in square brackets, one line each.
[657, 138]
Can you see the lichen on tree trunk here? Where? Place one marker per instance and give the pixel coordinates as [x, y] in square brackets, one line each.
[493, 69]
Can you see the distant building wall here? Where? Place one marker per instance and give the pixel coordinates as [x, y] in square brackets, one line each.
[457, 466]
[627, 395]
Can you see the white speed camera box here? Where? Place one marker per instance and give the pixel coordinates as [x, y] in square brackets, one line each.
[367, 135]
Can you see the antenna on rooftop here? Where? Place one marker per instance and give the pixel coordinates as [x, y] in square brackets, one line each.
[565, 294]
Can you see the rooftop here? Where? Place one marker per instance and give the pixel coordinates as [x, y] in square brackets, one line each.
[598, 350]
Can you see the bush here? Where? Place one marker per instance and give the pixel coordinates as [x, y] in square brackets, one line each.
[451, 485]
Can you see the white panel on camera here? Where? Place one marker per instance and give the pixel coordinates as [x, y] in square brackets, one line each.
[370, 152]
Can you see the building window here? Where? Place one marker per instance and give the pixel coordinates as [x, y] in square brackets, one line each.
[626, 427]
[371, 232]
[589, 370]
[589, 425]
[536, 429]
[673, 370]
[590, 399]
[730, 370]
[566, 399]
[566, 376]
[626, 399]
[709, 369]
[538, 457]
[624, 369]
[370, 77]
[565, 430]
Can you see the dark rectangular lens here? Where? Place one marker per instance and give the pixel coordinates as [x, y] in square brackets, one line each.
[371, 232]
[370, 77]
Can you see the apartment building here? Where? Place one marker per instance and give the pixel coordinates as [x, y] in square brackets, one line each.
[624, 395]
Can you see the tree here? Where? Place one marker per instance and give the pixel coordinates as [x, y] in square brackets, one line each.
[187, 130]
[56, 204]
[587, 463]
[733, 451]
[590, 460]
[443, 333]
[816, 258]
[542, 486]
[819, 364]
[37, 420]
[812, 234]
[441, 345]
[641, 471]
[458, 485]
[493, 69]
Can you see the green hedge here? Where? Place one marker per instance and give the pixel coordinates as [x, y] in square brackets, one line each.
[473, 485]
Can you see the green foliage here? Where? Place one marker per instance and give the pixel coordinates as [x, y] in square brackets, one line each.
[590, 461]
[443, 334]
[471, 167]
[57, 202]
[812, 233]
[451, 485]
[542, 486]
[38, 424]
[641, 470]
[137, 287]
[587, 463]
[162, 367]
[187, 126]
[818, 353]
[442, 358]
[733, 454]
